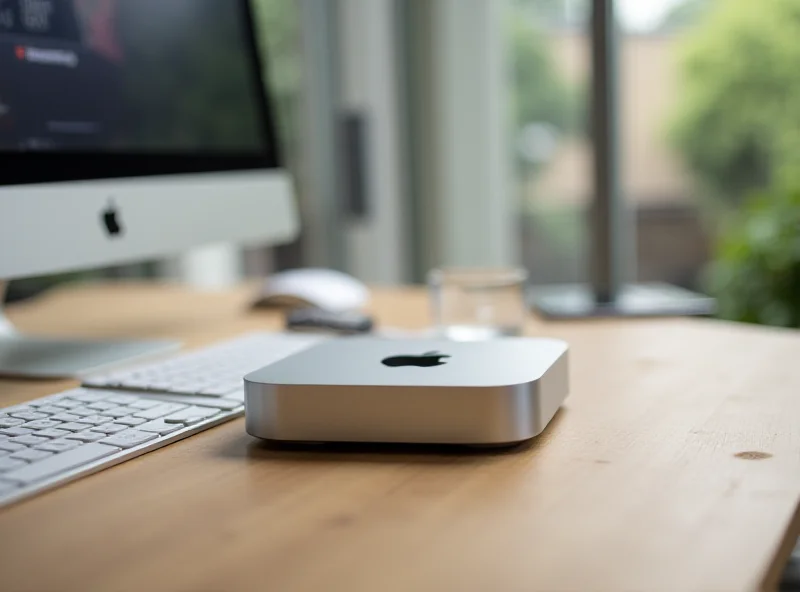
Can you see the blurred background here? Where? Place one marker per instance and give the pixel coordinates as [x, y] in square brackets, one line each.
[456, 132]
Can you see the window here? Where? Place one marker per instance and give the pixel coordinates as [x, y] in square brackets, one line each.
[702, 97]
[674, 226]
[548, 47]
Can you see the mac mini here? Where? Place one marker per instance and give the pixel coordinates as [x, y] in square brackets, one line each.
[371, 389]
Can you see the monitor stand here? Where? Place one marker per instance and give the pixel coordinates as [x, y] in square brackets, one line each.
[33, 356]
[611, 244]
[574, 301]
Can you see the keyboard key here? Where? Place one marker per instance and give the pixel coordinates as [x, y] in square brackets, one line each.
[10, 422]
[143, 404]
[101, 406]
[82, 411]
[123, 399]
[28, 440]
[65, 417]
[74, 426]
[57, 445]
[8, 464]
[186, 386]
[58, 463]
[160, 411]
[111, 428]
[50, 410]
[15, 409]
[94, 419]
[30, 454]
[237, 395]
[119, 412]
[133, 410]
[130, 421]
[88, 436]
[191, 415]
[213, 391]
[52, 433]
[15, 431]
[159, 426]
[28, 415]
[42, 424]
[129, 438]
[9, 446]
[66, 403]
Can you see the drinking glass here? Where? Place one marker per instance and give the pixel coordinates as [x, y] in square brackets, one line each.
[470, 304]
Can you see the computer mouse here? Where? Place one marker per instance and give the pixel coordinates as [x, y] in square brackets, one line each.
[326, 289]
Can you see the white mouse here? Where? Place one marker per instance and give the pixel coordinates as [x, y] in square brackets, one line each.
[327, 289]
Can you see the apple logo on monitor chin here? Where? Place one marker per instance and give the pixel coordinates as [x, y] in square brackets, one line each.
[426, 360]
[111, 222]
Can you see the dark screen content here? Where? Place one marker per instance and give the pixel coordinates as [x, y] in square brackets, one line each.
[128, 76]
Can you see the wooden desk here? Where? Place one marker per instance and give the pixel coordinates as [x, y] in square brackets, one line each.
[674, 465]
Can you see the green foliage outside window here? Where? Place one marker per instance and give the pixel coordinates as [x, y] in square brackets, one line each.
[540, 95]
[756, 274]
[737, 120]
[737, 126]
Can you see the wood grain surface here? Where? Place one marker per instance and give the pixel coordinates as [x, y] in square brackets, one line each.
[674, 465]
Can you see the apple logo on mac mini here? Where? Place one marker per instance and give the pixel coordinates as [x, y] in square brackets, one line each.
[426, 360]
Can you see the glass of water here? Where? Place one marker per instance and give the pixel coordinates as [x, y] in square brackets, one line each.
[470, 304]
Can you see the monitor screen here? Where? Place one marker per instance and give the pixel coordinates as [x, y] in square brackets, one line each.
[152, 86]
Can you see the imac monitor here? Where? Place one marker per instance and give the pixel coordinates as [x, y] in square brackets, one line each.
[129, 129]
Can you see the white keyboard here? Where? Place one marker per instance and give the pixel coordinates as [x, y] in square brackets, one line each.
[215, 371]
[115, 417]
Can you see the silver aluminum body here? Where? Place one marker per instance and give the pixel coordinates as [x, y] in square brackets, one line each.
[499, 391]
